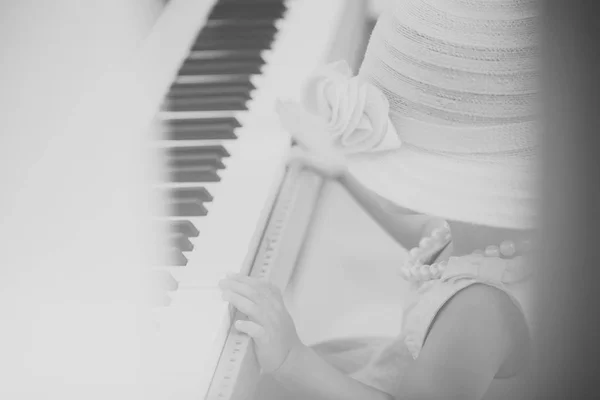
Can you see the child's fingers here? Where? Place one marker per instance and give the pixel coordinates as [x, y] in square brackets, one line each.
[249, 280]
[297, 157]
[260, 291]
[242, 288]
[311, 139]
[250, 328]
[313, 162]
[245, 306]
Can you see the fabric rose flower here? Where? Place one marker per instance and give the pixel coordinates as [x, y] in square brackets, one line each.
[355, 111]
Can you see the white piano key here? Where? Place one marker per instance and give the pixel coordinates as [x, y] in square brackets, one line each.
[197, 299]
[191, 335]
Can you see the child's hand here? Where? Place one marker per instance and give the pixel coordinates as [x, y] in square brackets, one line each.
[329, 165]
[309, 130]
[269, 323]
[315, 150]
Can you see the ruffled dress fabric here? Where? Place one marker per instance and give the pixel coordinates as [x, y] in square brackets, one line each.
[383, 362]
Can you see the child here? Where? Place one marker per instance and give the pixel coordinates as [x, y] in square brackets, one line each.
[458, 78]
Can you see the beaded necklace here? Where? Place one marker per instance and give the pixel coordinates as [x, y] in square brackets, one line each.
[417, 269]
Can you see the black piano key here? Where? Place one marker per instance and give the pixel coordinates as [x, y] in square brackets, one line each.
[241, 55]
[259, 33]
[208, 98]
[187, 208]
[222, 55]
[247, 11]
[229, 2]
[204, 159]
[191, 151]
[194, 174]
[220, 67]
[233, 44]
[229, 31]
[184, 227]
[249, 41]
[264, 18]
[236, 33]
[253, 1]
[200, 135]
[181, 242]
[265, 2]
[256, 23]
[208, 124]
[186, 90]
[219, 80]
[209, 103]
[202, 129]
[260, 26]
[193, 193]
[176, 258]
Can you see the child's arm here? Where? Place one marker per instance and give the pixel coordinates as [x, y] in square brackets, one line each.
[279, 349]
[306, 373]
[467, 345]
[465, 349]
[404, 226]
[472, 337]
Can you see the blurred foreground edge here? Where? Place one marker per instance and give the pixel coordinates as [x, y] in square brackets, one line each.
[568, 283]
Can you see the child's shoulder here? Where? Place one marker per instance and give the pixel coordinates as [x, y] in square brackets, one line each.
[483, 302]
[487, 321]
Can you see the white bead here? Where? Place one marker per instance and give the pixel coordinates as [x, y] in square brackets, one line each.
[508, 248]
[425, 274]
[414, 252]
[425, 242]
[492, 251]
[414, 270]
[434, 270]
[439, 233]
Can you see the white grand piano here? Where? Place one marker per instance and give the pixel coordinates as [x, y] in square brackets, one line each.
[167, 174]
[233, 204]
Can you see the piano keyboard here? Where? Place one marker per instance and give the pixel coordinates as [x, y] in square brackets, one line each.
[225, 156]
